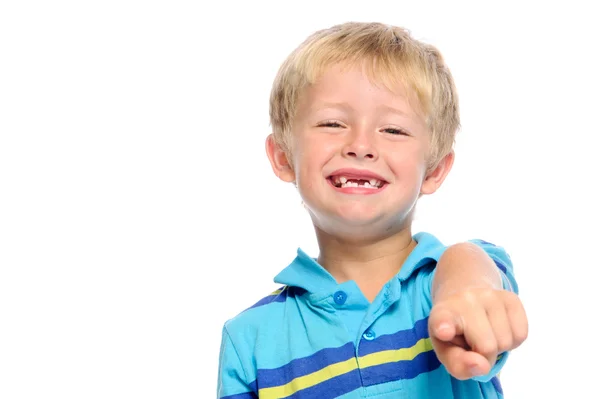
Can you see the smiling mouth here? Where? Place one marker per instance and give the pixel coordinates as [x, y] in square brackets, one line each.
[347, 182]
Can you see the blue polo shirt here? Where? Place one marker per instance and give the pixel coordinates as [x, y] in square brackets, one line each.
[315, 338]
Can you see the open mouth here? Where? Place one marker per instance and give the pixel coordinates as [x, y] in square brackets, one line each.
[347, 181]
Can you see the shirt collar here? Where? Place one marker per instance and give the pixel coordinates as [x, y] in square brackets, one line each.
[306, 273]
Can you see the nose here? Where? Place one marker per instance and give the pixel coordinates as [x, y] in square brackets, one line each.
[360, 146]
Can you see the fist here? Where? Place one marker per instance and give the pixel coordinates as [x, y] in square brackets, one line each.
[469, 329]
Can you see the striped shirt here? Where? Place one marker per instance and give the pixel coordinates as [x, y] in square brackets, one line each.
[315, 338]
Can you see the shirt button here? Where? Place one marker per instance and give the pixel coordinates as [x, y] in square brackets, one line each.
[340, 297]
[369, 335]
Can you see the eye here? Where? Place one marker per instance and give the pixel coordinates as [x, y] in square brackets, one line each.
[395, 131]
[329, 124]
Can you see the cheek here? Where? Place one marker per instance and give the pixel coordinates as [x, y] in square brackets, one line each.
[407, 162]
[304, 169]
[319, 143]
[410, 171]
[314, 154]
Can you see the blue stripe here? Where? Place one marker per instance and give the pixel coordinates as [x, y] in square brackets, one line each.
[281, 297]
[500, 266]
[483, 242]
[402, 370]
[497, 385]
[331, 388]
[400, 339]
[247, 395]
[303, 366]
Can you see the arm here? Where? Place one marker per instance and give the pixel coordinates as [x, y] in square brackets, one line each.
[475, 316]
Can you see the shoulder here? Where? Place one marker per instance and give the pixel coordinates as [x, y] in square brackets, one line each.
[262, 315]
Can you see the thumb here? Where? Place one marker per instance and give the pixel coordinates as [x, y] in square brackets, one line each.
[444, 324]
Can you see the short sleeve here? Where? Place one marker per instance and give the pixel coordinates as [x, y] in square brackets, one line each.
[232, 382]
[502, 261]
[499, 256]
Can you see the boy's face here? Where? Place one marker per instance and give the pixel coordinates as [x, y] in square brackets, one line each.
[359, 155]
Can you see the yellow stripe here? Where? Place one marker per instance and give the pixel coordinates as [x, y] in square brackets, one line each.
[309, 380]
[396, 355]
[336, 369]
[277, 292]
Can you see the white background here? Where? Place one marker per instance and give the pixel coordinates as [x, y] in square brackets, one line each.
[138, 211]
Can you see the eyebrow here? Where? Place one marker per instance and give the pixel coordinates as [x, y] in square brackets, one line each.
[393, 110]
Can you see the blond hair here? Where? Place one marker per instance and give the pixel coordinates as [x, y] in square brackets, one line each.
[390, 57]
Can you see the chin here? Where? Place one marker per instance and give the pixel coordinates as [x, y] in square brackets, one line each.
[359, 234]
[357, 227]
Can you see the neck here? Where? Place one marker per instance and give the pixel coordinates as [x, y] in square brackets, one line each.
[370, 264]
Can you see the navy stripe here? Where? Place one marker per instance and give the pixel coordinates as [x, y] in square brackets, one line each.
[287, 292]
[254, 386]
[497, 385]
[281, 297]
[400, 339]
[331, 388]
[404, 369]
[247, 395]
[303, 366]
[500, 266]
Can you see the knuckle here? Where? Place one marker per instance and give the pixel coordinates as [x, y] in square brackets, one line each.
[512, 300]
[520, 335]
[479, 295]
[486, 348]
[509, 295]
[505, 343]
[489, 294]
[471, 295]
[436, 310]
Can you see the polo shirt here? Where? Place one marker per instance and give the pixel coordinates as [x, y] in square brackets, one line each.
[316, 338]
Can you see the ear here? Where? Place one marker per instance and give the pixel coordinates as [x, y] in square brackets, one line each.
[279, 161]
[436, 176]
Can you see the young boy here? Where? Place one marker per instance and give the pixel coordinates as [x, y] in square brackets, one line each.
[364, 119]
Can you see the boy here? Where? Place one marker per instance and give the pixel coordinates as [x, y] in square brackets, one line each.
[364, 119]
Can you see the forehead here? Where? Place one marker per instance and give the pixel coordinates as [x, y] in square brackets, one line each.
[354, 87]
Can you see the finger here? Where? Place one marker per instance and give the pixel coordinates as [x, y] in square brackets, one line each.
[444, 324]
[459, 362]
[459, 340]
[517, 319]
[500, 324]
[480, 335]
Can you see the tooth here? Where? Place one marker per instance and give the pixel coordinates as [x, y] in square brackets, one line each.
[373, 181]
[343, 179]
